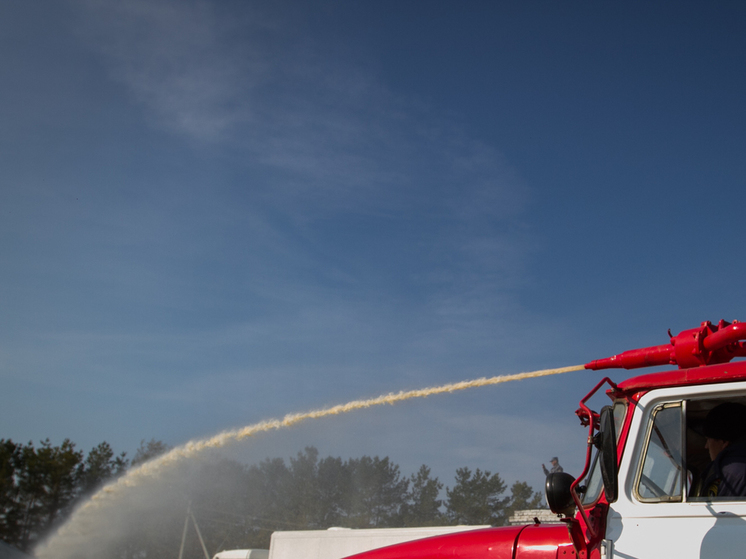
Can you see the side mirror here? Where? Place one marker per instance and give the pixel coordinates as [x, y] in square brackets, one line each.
[606, 444]
[557, 490]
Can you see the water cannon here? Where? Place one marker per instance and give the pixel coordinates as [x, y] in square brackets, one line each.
[707, 345]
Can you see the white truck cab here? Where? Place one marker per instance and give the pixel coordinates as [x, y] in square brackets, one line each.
[660, 510]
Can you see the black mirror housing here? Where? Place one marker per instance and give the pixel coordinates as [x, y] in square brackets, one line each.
[607, 448]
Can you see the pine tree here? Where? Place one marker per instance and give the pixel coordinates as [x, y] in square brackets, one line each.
[422, 506]
[477, 498]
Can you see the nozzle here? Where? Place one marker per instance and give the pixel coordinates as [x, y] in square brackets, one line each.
[636, 358]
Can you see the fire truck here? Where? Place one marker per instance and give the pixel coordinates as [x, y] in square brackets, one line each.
[639, 494]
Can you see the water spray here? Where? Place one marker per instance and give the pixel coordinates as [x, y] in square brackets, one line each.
[73, 533]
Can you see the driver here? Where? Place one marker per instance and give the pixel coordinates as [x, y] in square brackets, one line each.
[725, 431]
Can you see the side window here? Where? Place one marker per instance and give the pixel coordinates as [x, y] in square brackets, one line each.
[716, 467]
[660, 478]
[620, 409]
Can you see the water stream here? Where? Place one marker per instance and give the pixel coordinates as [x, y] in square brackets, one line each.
[89, 518]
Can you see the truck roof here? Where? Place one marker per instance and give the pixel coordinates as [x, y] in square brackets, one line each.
[711, 374]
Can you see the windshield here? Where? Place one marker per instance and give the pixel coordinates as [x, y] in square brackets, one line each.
[594, 482]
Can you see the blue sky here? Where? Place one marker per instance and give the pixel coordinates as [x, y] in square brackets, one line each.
[219, 212]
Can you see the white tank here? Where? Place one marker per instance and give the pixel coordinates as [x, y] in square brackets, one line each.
[336, 543]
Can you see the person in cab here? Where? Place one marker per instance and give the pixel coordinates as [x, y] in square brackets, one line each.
[725, 432]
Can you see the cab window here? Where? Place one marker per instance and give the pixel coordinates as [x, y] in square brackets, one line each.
[676, 465]
[660, 477]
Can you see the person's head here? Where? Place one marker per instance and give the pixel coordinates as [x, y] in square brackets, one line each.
[715, 446]
[554, 461]
[724, 424]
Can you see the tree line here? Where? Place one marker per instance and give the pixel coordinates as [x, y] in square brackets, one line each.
[239, 506]
[39, 486]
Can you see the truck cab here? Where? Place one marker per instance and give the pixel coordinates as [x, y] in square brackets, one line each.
[641, 492]
[662, 508]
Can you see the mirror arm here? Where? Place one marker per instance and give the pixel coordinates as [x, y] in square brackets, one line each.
[573, 487]
[585, 413]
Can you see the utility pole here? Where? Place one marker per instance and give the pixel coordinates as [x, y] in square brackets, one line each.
[190, 515]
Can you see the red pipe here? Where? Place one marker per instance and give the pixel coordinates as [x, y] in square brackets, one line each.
[726, 335]
[705, 345]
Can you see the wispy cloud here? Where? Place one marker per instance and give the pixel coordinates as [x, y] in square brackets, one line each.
[176, 59]
[322, 140]
[324, 126]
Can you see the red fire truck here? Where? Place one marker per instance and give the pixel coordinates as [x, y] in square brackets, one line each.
[639, 493]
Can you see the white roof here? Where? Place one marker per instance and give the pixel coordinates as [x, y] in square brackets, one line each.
[243, 554]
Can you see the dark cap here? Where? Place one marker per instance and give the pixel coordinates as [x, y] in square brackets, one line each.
[554, 459]
[726, 422]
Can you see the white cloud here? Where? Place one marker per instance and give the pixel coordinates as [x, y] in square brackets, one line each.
[171, 57]
[322, 141]
[333, 134]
